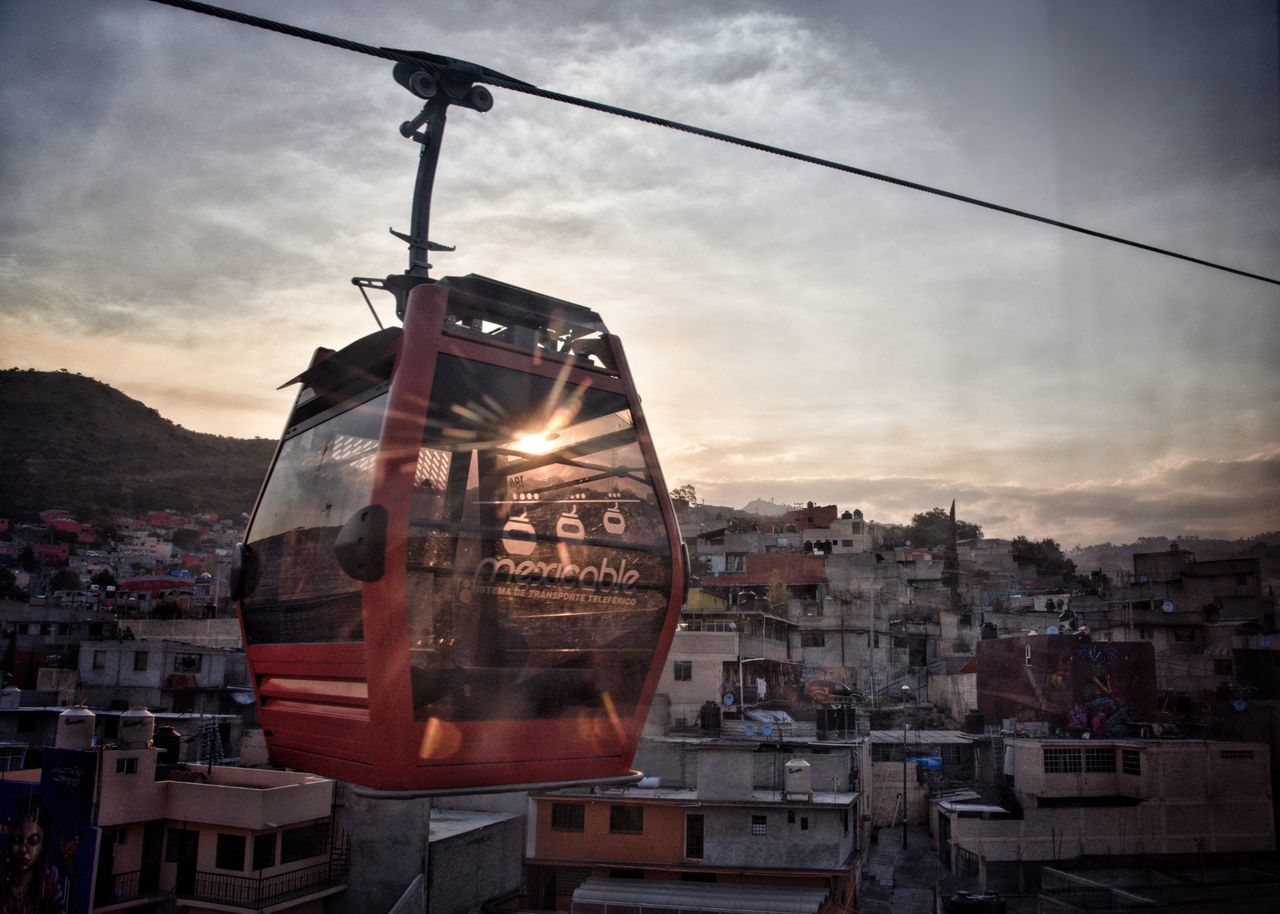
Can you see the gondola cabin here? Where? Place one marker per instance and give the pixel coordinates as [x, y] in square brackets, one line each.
[463, 569]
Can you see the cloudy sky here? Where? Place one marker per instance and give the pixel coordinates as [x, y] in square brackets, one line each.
[184, 200]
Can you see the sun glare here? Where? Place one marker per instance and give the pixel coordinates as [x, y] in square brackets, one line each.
[535, 443]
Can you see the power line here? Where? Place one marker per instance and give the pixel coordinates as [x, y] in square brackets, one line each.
[501, 81]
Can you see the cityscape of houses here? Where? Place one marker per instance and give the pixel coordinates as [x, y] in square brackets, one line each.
[845, 722]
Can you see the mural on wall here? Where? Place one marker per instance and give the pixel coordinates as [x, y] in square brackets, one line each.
[1072, 683]
[46, 840]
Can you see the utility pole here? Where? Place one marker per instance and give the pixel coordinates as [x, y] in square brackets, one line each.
[906, 693]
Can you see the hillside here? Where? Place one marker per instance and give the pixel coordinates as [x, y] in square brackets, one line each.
[73, 442]
[1111, 557]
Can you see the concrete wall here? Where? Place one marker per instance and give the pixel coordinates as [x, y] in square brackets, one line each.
[725, 774]
[886, 787]
[825, 844]
[956, 694]
[467, 869]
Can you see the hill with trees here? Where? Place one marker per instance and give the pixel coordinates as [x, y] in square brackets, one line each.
[73, 442]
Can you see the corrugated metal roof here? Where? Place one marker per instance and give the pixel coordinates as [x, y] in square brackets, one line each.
[925, 737]
[696, 896]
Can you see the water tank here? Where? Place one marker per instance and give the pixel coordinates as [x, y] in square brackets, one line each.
[137, 726]
[799, 779]
[75, 728]
[974, 722]
[168, 741]
[10, 697]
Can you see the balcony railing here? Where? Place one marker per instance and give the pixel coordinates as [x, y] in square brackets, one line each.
[257, 893]
[250, 892]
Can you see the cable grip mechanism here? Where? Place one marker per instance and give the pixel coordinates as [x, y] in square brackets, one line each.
[440, 82]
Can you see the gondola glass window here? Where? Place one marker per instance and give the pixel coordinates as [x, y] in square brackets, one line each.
[323, 474]
[539, 572]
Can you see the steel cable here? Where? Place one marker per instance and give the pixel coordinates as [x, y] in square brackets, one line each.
[498, 80]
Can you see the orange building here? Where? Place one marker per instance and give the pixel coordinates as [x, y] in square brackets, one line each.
[724, 844]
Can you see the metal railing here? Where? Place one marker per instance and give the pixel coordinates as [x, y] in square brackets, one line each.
[257, 893]
[249, 892]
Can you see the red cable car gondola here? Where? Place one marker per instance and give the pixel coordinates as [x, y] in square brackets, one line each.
[463, 569]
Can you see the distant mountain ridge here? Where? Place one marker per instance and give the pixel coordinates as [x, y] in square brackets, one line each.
[73, 442]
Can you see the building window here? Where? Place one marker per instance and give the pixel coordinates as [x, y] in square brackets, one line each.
[693, 836]
[804, 823]
[1100, 761]
[117, 836]
[1144, 632]
[1130, 761]
[1061, 761]
[735, 562]
[187, 663]
[1236, 753]
[1184, 635]
[230, 852]
[1223, 668]
[791, 817]
[126, 766]
[682, 670]
[139, 661]
[626, 820]
[264, 851]
[759, 825]
[844, 820]
[99, 660]
[567, 816]
[846, 543]
[300, 843]
[813, 639]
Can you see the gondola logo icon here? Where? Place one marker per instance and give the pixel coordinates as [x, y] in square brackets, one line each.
[569, 527]
[518, 535]
[615, 523]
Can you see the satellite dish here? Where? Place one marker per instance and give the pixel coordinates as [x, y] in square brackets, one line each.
[1051, 630]
[728, 699]
[1238, 704]
[749, 730]
[767, 729]
[1266, 641]
[1167, 606]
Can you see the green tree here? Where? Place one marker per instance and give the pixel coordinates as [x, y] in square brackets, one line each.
[9, 589]
[777, 591]
[27, 559]
[684, 497]
[66, 579]
[103, 578]
[1046, 556]
[933, 527]
[167, 609]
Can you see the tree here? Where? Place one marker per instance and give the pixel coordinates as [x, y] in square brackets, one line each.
[777, 591]
[933, 528]
[27, 559]
[104, 579]
[1045, 556]
[684, 497]
[66, 579]
[9, 589]
[167, 609]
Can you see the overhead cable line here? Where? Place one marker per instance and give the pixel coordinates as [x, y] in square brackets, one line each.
[501, 81]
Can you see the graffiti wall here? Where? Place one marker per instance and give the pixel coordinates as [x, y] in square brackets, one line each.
[1072, 683]
[47, 846]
